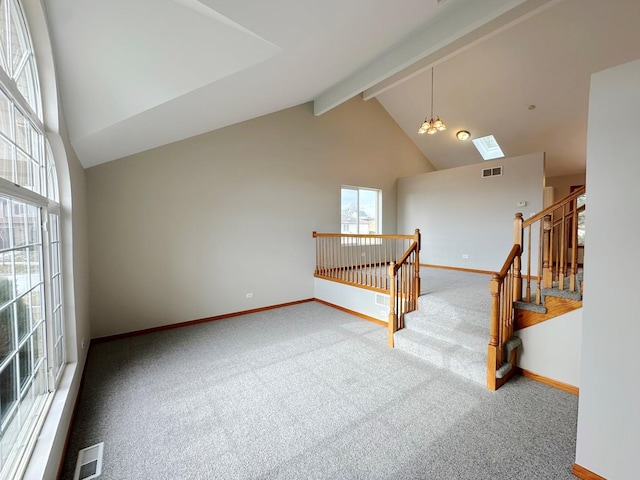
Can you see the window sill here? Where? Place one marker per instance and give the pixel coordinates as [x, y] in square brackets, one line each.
[48, 451]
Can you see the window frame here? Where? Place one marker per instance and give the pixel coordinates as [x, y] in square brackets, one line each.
[358, 209]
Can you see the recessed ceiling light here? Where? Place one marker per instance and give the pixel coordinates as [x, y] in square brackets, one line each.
[463, 135]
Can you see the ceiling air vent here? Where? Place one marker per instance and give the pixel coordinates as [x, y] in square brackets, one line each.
[89, 463]
[491, 172]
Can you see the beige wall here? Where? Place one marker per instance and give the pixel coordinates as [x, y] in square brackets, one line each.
[184, 231]
[562, 184]
[460, 213]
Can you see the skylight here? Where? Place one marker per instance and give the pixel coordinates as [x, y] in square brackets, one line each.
[488, 147]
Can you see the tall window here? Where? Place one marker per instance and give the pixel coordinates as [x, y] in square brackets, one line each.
[32, 354]
[360, 210]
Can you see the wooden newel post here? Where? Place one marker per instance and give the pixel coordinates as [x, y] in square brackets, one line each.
[494, 332]
[517, 264]
[393, 318]
[547, 277]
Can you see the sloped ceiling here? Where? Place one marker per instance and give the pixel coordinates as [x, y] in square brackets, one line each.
[136, 74]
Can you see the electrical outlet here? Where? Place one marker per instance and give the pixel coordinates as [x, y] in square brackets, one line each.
[82, 344]
[250, 295]
[384, 313]
[464, 255]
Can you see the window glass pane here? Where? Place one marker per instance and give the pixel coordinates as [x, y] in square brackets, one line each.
[52, 179]
[22, 132]
[6, 160]
[7, 291]
[6, 122]
[35, 305]
[8, 389]
[23, 318]
[26, 84]
[38, 343]
[19, 44]
[6, 326]
[368, 211]
[25, 361]
[19, 225]
[4, 35]
[359, 212]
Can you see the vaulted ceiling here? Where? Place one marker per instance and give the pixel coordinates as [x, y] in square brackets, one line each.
[136, 74]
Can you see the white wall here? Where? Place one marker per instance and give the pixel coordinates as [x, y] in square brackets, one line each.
[360, 300]
[458, 212]
[608, 418]
[184, 231]
[552, 348]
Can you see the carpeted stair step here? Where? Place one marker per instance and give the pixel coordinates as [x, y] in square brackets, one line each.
[566, 293]
[468, 335]
[468, 363]
[432, 305]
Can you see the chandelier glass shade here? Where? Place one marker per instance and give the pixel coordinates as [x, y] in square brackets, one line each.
[432, 124]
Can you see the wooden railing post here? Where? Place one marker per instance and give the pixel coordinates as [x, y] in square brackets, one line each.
[417, 239]
[517, 266]
[547, 261]
[494, 332]
[393, 318]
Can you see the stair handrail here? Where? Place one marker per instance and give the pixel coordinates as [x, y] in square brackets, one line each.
[503, 289]
[557, 233]
[404, 286]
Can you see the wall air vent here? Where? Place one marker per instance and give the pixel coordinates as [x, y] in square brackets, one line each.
[89, 464]
[491, 172]
[382, 300]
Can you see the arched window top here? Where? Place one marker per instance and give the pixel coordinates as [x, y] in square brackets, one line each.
[16, 54]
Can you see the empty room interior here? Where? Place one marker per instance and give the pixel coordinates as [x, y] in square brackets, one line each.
[298, 239]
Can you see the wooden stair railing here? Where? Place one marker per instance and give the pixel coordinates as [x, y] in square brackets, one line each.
[404, 287]
[554, 251]
[388, 264]
[501, 351]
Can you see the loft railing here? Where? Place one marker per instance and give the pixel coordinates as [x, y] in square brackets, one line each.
[553, 249]
[384, 263]
[556, 252]
[357, 259]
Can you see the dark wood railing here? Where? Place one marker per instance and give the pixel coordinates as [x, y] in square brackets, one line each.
[383, 263]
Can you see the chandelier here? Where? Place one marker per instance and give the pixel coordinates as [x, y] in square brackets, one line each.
[432, 124]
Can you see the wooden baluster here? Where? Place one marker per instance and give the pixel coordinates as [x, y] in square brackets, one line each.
[494, 328]
[562, 249]
[417, 239]
[517, 240]
[393, 319]
[547, 258]
[574, 248]
[529, 265]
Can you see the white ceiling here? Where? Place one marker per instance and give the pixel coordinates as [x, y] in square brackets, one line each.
[136, 74]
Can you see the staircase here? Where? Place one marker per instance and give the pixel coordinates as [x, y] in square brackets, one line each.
[539, 280]
[448, 334]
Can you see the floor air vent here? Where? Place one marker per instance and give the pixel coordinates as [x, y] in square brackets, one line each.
[89, 463]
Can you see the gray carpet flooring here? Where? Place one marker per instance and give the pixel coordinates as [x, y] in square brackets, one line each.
[308, 392]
